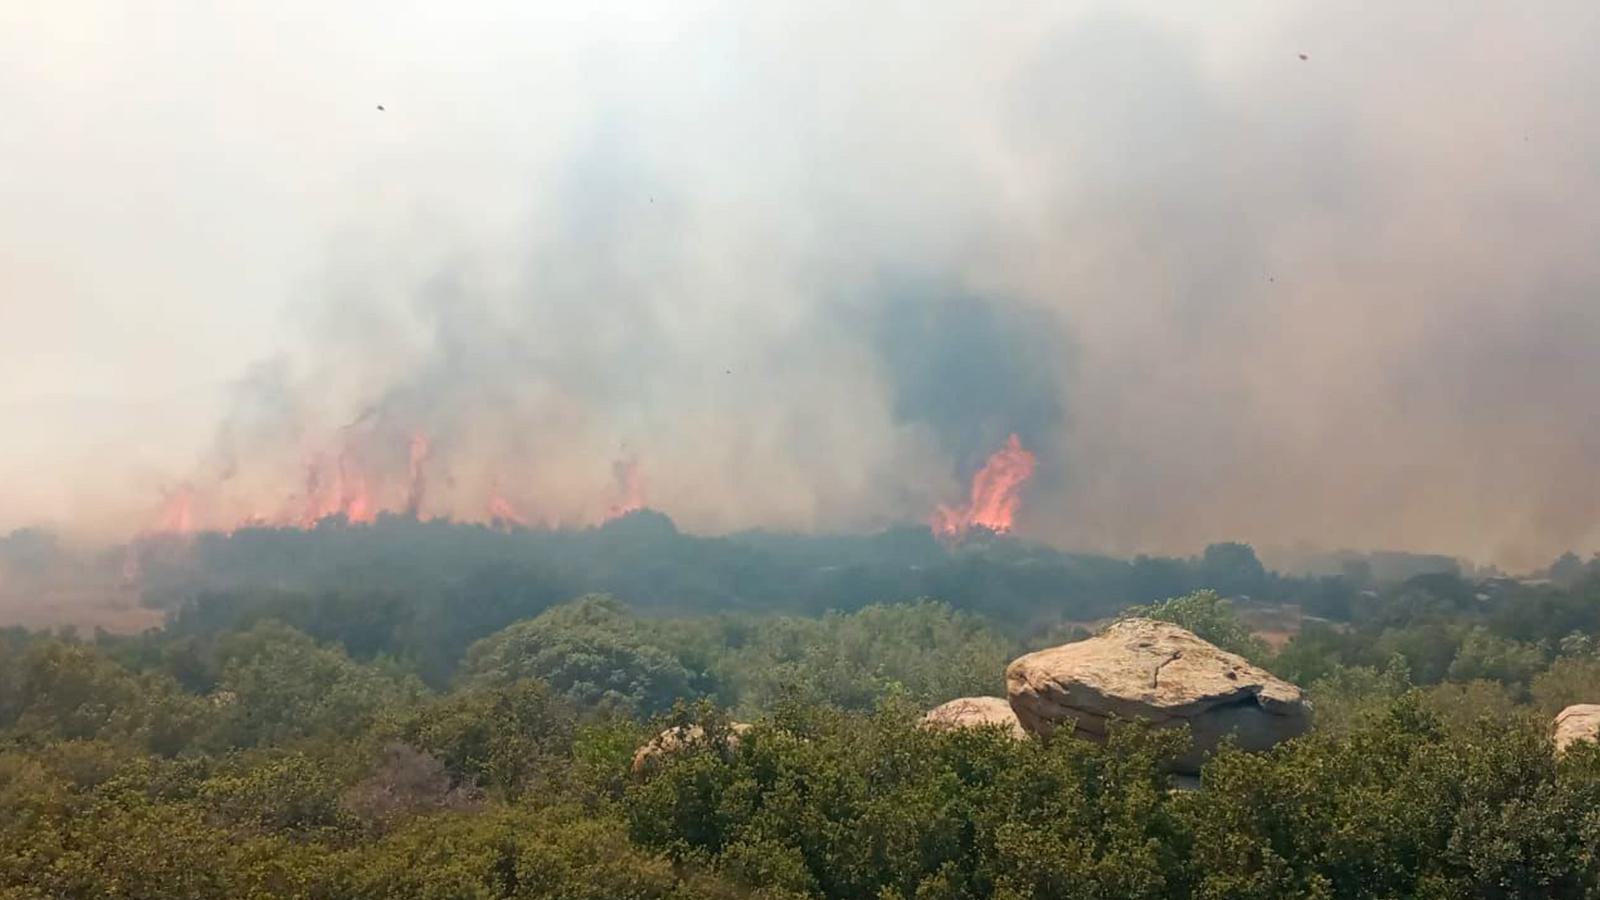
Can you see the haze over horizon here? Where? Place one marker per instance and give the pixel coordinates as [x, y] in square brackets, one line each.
[1282, 273]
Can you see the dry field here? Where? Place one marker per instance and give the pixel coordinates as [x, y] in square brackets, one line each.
[114, 609]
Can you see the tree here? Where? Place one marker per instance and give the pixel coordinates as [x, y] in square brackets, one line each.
[925, 650]
[1568, 680]
[1232, 569]
[502, 739]
[1567, 569]
[591, 651]
[61, 689]
[277, 685]
[1483, 654]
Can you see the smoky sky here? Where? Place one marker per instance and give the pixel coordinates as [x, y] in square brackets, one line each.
[973, 369]
[807, 264]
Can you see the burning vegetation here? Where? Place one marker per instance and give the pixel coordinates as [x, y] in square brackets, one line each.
[367, 478]
[995, 497]
[355, 485]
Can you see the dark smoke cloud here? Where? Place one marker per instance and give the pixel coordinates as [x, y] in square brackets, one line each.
[1223, 291]
[973, 369]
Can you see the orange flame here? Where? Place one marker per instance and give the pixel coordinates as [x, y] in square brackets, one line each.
[996, 493]
[177, 512]
[339, 486]
[502, 514]
[354, 500]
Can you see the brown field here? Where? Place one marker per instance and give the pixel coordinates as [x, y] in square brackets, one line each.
[1276, 625]
[86, 608]
[1276, 638]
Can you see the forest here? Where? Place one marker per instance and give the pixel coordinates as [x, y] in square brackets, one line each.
[425, 710]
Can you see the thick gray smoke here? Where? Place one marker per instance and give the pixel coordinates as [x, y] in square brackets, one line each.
[974, 370]
[1296, 272]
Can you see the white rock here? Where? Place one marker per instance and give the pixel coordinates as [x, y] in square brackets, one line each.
[1141, 668]
[1579, 722]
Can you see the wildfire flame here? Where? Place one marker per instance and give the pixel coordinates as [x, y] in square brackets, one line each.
[338, 487]
[996, 493]
[177, 512]
[350, 485]
[354, 500]
[502, 512]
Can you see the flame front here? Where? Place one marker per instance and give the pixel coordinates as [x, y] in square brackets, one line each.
[996, 493]
[355, 482]
[502, 513]
[354, 499]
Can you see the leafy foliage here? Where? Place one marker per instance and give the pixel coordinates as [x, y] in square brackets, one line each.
[592, 651]
[282, 743]
[503, 739]
[277, 684]
[600, 656]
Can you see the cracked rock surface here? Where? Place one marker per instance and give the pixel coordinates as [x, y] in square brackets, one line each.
[1141, 668]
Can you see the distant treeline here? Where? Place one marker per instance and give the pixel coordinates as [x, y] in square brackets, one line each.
[645, 561]
[426, 590]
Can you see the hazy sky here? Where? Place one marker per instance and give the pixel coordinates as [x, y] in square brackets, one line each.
[807, 263]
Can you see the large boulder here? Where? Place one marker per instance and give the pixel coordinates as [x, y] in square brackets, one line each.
[681, 739]
[1144, 669]
[1580, 722]
[974, 712]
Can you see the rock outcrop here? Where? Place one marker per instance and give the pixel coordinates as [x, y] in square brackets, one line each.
[1580, 722]
[1141, 668]
[975, 712]
[683, 738]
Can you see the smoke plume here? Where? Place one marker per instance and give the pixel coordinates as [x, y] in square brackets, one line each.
[809, 267]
